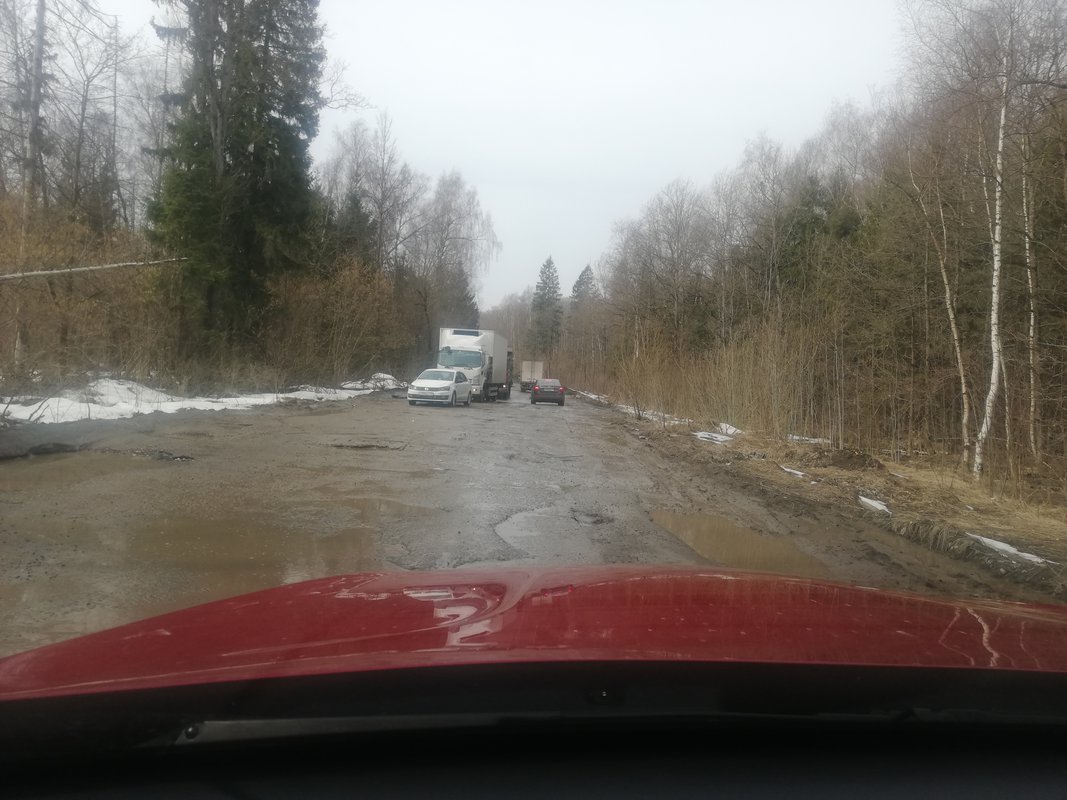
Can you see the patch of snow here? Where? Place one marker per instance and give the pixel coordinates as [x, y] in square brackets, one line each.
[379, 381]
[874, 505]
[113, 392]
[709, 436]
[796, 472]
[653, 416]
[1012, 552]
[109, 398]
[729, 430]
[807, 439]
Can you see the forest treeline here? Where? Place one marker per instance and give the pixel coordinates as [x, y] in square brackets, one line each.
[195, 145]
[896, 284]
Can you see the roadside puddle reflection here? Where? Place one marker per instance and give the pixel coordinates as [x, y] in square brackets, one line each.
[140, 568]
[723, 542]
[58, 470]
[228, 556]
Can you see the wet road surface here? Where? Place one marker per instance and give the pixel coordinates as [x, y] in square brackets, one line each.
[161, 512]
[165, 511]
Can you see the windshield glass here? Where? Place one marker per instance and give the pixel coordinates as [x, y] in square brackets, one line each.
[436, 375]
[459, 358]
[797, 273]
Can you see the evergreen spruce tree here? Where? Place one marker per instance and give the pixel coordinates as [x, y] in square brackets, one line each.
[546, 310]
[237, 196]
[585, 287]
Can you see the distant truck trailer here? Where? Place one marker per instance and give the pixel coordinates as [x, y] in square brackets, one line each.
[532, 372]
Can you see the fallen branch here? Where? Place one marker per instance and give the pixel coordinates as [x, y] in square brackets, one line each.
[48, 273]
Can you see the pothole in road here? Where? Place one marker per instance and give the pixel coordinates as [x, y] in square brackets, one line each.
[64, 469]
[723, 542]
[370, 508]
[369, 445]
[590, 518]
[155, 455]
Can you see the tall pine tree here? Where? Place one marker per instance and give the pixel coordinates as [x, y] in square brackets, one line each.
[585, 288]
[237, 196]
[546, 311]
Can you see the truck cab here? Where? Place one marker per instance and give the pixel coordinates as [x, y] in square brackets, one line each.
[483, 356]
[470, 361]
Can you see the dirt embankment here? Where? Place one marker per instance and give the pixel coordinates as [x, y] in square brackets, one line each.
[1005, 540]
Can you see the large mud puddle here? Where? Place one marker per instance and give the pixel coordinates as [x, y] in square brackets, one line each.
[140, 568]
[721, 541]
[234, 554]
[64, 469]
[74, 575]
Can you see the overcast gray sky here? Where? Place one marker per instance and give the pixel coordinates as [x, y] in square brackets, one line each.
[569, 116]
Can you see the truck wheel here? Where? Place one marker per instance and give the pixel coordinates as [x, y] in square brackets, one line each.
[561, 402]
[411, 402]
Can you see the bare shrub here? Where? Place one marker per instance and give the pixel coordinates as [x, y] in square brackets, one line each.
[331, 327]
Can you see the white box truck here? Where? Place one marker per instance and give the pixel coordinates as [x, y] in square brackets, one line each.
[484, 357]
[532, 372]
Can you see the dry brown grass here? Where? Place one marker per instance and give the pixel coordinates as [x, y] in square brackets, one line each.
[320, 328]
[930, 503]
[330, 328]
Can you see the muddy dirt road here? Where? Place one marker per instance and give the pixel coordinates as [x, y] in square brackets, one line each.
[161, 512]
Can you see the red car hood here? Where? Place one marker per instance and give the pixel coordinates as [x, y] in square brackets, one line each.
[366, 622]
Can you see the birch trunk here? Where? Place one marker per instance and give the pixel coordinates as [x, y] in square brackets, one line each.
[1031, 288]
[941, 248]
[30, 177]
[995, 343]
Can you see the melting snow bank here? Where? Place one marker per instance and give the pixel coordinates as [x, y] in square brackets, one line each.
[711, 436]
[599, 398]
[807, 439]
[726, 433]
[633, 411]
[1006, 549]
[378, 381]
[108, 398]
[874, 505]
[653, 416]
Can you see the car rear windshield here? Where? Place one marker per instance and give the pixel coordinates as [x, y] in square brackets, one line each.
[549, 382]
